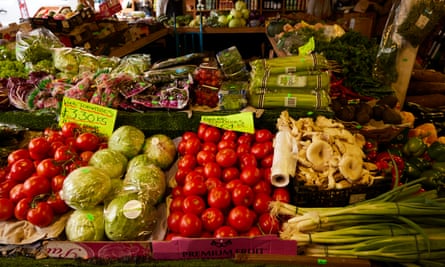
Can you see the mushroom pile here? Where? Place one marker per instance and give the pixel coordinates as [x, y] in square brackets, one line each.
[329, 156]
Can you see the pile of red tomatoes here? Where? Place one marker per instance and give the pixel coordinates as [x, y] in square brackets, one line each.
[223, 185]
[31, 181]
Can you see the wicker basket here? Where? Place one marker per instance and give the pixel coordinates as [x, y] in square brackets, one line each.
[310, 196]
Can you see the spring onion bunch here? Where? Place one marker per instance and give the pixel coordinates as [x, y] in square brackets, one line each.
[404, 224]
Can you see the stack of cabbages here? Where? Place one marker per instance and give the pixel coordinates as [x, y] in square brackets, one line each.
[115, 197]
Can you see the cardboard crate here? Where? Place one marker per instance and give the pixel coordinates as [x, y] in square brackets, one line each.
[98, 249]
[210, 248]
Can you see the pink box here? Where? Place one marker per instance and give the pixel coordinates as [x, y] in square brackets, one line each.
[210, 248]
[98, 250]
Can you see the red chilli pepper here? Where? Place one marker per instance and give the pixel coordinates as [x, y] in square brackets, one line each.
[390, 163]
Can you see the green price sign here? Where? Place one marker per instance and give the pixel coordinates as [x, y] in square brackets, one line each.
[83, 113]
[241, 122]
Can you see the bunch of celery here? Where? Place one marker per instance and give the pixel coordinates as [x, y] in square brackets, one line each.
[404, 224]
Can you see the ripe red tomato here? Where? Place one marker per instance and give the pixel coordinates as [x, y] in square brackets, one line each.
[87, 141]
[3, 173]
[225, 231]
[190, 146]
[48, 168]
[6, 209]
[201, 129]
[253, 231]
[54, 136]
[242, 195]
[190, 225]
[213, 182]
[6, 186]
[212, 134]
[209, 146]
[21, 153]
[70, 129]
[247, 159]
[16, 193]
[85, 156]
[173, 220]
[194, 187]
[21, 170]
[205, 156]
[187, 162]
[39, 148]
[267, 161]
[22, 207]
[212, 219]
[250, 175]
[177, 191]
[229, 135]
[36, 185]
[230, 173]
[57, 182]
[219, 197]
[233, 184]
[193, 204]
[212, 169]
[261, 203]
[41, 215]
[262, 187]
[188, 135]
[263, 135]
[226, 144]
[57, 204]
[242, 148]
[268, 224]
[241, 218]
[64, 153]
[193, 175]
[245, 138]
[281, 194]
[261, 150]
[176, 203]
[226, 157]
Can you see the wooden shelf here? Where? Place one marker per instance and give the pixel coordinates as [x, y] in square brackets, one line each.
[128, 48]
[225, 30]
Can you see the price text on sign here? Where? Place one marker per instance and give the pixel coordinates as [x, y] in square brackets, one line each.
[241, 122]
[95, 116]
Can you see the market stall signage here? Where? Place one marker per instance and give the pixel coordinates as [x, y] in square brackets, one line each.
[240, 122]
[98, 117]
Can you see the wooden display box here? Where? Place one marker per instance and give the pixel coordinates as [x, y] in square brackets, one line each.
[360, 22]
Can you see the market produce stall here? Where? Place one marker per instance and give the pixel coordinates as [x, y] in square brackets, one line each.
[211, 156]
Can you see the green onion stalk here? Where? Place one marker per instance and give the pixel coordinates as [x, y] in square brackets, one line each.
[404, 224]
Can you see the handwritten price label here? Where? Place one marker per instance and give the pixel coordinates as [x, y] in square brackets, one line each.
[241, 122]
[83, 113]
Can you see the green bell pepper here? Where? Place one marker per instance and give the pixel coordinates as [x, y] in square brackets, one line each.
[411, 171]
[414, 147]
[433, 179]
[436, 151]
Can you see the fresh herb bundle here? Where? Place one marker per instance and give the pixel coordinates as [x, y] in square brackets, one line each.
[421, 20]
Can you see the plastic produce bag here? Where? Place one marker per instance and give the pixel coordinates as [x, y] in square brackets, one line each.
[35, 45]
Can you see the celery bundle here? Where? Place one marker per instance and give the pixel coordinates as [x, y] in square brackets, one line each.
[401, 225]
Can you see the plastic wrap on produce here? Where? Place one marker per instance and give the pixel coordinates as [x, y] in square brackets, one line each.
[314, 100]
[284, 163]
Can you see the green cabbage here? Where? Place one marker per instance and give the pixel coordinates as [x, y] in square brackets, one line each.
[160, 149]
[149, 179]
[127, 139]
[139, 160]
[128, 217]
[86, 225]
[85, 187]
[113, 162]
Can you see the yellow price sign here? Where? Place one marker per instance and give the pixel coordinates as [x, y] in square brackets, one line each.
[83, 113]
[240, 122]
[307, 48]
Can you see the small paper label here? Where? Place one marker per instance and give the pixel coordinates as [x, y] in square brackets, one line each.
[422, 21]
[292, 80]
[132, 209]
[98, 117]
[240, 122]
